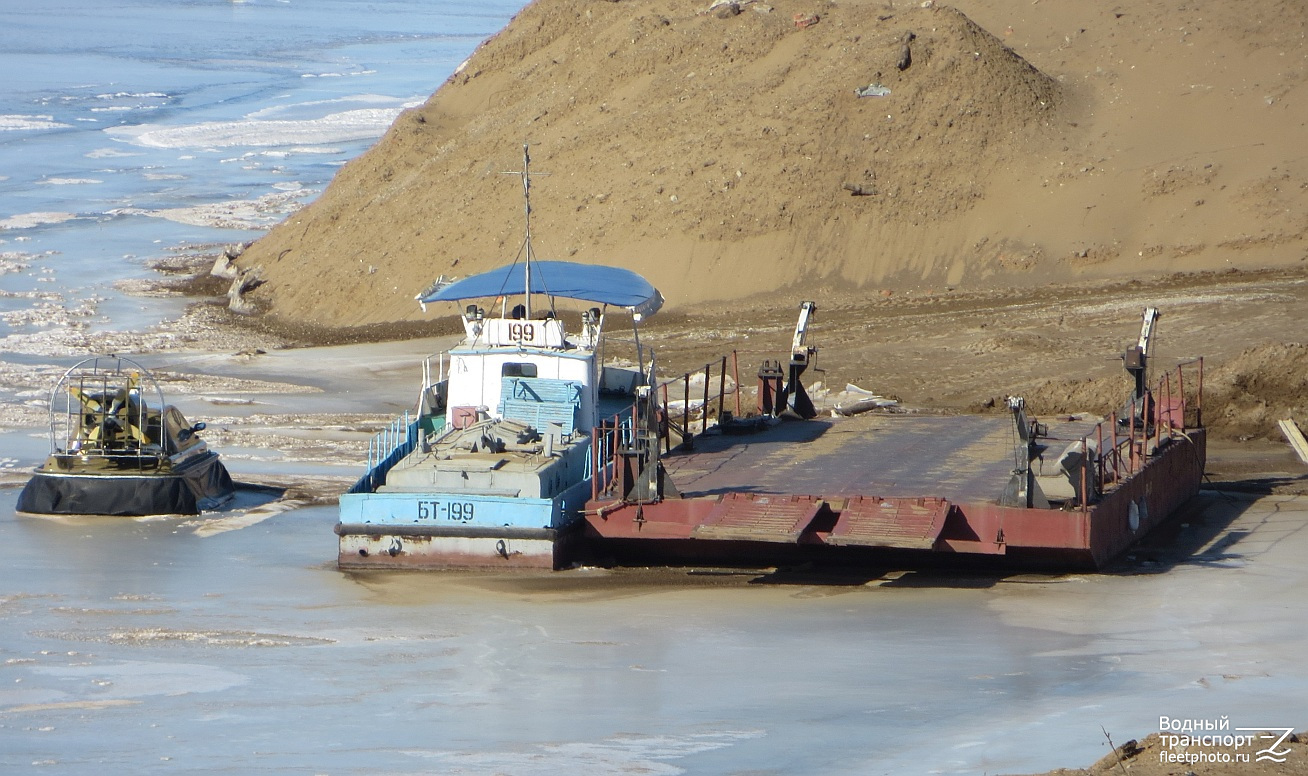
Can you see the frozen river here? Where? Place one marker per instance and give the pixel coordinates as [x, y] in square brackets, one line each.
[130, 132]
[232, 644]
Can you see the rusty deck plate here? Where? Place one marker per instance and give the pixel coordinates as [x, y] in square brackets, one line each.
[910, 523]
[962, 458]
[759, 518]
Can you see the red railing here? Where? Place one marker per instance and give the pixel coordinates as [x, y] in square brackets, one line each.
[611, 433]
[685, 428]
[1124, 445]
[605, 439]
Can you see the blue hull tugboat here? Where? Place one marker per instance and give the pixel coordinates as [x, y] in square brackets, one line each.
[498, 464]
[117, 449]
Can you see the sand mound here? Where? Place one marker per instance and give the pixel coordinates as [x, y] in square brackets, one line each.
[1247, 395]
[1243, 396]
[719, 156]
[727, 155]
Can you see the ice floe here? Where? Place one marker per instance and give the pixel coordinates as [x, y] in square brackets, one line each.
[67, 181]
[343, 127]
[18, 122]
[259, 213]
[29, 220]
[110, 153]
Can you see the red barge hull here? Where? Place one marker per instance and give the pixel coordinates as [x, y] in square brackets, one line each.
[849, 490]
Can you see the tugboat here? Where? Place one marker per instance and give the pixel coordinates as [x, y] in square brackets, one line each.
[117, 449]
[495, 468]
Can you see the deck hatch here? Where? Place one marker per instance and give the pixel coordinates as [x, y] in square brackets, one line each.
[910, 523]
[759, 518]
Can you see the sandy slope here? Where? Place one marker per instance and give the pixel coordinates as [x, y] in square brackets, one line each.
[1025, 143]
[1146, 757]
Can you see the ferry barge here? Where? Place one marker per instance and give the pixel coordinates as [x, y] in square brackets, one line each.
[1063, 494]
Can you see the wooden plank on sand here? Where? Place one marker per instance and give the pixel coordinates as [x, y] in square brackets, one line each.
[1295, 437]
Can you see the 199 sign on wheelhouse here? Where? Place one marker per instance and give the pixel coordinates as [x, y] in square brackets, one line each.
[522, 332]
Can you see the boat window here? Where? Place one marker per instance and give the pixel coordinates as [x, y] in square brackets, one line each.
[518, 370]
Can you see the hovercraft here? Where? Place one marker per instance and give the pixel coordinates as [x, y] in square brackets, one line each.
[117, 449]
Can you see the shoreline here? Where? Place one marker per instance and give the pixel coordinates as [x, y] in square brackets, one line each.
[285, 416]
[978, 342]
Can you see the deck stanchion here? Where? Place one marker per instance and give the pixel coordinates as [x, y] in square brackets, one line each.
[1099, 454]
[602, 455]
[613, 446]
[594, 462]
[666, 436]
[1180, 392]
[685, 417]
[703, 424]
[1117, 455]
[1167, 396]
[1199, 399]
[735, 375]
[1130, 461]
[1158, 413]
[1085, 464]
[722, 387]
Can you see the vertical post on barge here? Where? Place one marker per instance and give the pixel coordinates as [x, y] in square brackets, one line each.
[1085, 497]
[666, 426]
[703, 424]
[595, 460]
[1099, 455]
[686, 434]
[735, 375]
[722, 387]
[1130, 440]
[1117, 450]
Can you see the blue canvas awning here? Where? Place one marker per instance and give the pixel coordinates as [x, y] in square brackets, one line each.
[566, 279]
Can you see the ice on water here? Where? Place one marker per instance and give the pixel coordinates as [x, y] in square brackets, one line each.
[129, 132]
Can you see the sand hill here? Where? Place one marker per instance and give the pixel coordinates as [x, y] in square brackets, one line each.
[727, 154]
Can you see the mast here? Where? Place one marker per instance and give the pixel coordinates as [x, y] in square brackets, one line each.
[526, 207]
[525, 175]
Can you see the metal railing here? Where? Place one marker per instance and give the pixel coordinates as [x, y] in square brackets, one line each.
[386, 449]
[606, 438]
[1124, 445]
[685, 428]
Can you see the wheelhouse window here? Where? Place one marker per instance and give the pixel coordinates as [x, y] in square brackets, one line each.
[513, 369]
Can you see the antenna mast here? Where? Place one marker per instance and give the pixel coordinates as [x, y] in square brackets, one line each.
[526, 207]
[525, 175]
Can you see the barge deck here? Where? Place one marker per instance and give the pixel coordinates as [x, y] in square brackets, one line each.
[840, 489]
[1068, 493]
